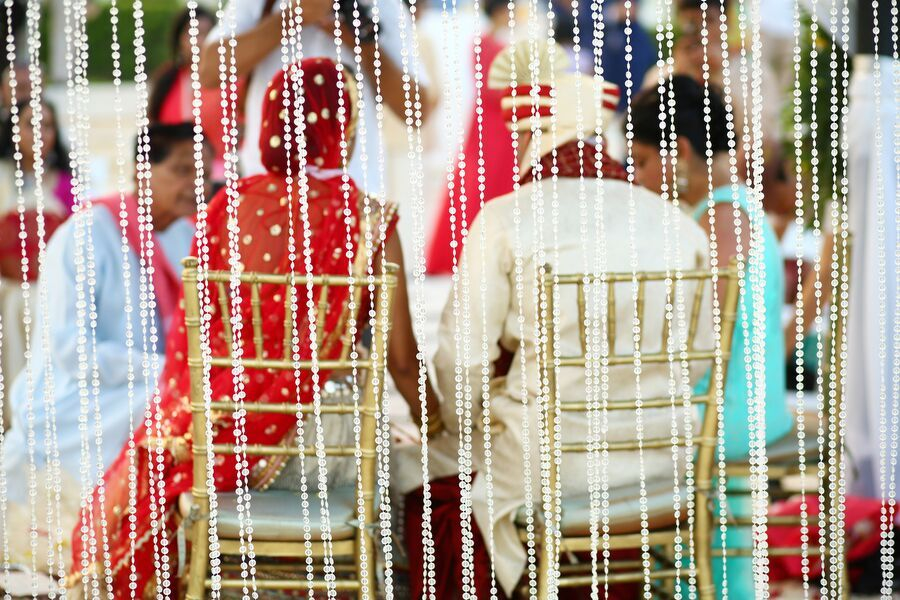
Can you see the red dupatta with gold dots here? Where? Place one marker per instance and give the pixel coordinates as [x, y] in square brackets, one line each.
[267, 209]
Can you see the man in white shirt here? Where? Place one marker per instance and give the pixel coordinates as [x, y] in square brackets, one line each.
[497, 324]
[257, 53]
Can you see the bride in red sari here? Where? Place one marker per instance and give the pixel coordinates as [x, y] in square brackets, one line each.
[140, 531]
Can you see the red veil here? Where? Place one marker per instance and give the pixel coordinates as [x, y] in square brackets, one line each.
[266, 208]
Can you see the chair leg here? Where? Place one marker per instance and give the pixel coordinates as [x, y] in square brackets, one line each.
[366, 573]
[199, 561]
[545, 564]
[706, 588]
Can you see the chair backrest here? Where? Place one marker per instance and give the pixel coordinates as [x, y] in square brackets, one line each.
[378, 287]
[598, 348]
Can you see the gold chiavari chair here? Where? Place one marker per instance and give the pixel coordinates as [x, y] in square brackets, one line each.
[278, 527]
[783, 457]
[570, 532]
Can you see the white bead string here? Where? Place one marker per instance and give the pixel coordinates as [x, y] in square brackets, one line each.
[589, 319]
[76, 64]
[758, 277]
[483, 291]
[637, 332]
[886, 521]
[413, 113]
[539, 300]
[121, 152]
[840, 31]
[553, 454]
[228, 89]
[292, 52]
[714, 261]
[99, 467]
[149, 325]
[676, 308]
[600, 347]
[458, 199]
[895, 413]
[382, 414]
[53, 477]
[799, 324]
[460, 306]
[78, 193]
[202, 245]
[25, 285]
[520, 319]
[10, 47]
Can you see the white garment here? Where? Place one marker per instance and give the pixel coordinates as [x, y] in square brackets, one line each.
[864, 368]
[111, 356]
[492, 264]
[318, 42]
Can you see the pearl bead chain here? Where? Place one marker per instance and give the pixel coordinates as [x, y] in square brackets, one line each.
[800, 328]
[412, 113]
[292, 52]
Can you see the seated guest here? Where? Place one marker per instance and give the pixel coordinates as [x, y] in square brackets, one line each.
[74, 363]
[269, 211]
[56, 199]
[764, 339]
[505, 247]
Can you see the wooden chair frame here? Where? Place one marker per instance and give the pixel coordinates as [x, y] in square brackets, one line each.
[363, 578]
[552, 543]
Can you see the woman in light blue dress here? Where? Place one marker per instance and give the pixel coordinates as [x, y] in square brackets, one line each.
[758, 332]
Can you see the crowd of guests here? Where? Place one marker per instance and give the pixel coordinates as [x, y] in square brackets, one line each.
[480, 233]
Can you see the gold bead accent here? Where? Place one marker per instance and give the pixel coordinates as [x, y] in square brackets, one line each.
[273, 93]
[275, 141]
[319, 79]
[275, 230]
[326, 113]
[311, 118]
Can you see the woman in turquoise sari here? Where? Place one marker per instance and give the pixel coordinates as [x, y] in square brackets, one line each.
[731, 215]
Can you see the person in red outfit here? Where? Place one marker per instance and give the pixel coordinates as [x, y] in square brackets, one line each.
[462, 201]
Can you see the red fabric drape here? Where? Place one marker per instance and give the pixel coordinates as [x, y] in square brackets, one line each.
[447, 534]
[267, 210]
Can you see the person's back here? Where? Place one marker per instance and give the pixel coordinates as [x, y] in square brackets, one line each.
[545, 223]
[571, 238]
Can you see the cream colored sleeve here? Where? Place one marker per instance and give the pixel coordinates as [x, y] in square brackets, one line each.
[473, 318]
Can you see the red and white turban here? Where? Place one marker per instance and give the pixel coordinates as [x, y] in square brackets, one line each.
[550, 101]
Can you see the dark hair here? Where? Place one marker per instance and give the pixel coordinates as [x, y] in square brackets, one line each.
[58, 157]
[167, 75]
[163, 138]
[489, 7]
[688, 117]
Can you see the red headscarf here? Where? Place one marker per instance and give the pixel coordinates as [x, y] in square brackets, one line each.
[328, 118]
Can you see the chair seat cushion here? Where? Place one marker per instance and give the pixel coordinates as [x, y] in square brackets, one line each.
[784, 449]
[277, 515]
[624, 510]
